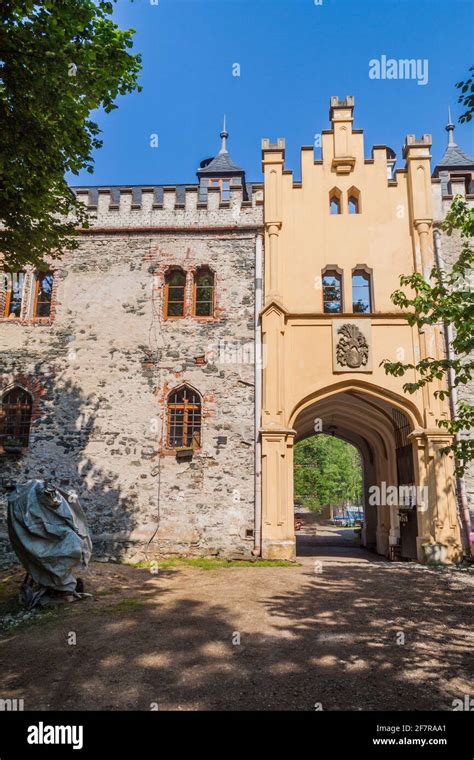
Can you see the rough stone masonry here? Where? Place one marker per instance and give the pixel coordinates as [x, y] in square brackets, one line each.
[100, 370]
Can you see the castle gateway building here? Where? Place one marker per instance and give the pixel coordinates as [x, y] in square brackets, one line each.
[335, 245]
[131, 371]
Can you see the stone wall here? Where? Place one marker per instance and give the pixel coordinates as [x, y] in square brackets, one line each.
[101, 370]
[450, 248]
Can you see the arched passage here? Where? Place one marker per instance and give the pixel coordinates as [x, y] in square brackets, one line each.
[369, 422]
[384, 427]
[328, 492]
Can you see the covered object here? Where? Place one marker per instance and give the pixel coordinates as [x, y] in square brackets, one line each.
[48, 531]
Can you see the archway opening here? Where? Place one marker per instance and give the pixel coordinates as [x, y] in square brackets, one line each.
[379, 432]
[328, 493]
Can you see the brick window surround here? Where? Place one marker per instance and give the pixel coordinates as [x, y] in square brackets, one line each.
[15, 417]
[28, 297]
[184, 417]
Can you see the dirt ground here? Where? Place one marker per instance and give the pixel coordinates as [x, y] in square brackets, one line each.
[325, 632]
[315, 532]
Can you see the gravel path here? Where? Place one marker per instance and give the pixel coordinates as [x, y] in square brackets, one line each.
[327, 632]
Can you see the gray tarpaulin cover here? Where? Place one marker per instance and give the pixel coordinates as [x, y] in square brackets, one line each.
[48, 531]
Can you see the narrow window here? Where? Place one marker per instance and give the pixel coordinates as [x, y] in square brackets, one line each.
[43, 292]
[14, 283]
[335, 201]
[353, 200]
[225, 190]
[223, 185]
[353, 205]
[361, 295]
[184, 418]
[175, 293]
[204, 293]
[332, 293]
[16, 413]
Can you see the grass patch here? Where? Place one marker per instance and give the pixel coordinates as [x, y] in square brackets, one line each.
[15, 618]
[125, 605]
[6, 590]
[212, 563]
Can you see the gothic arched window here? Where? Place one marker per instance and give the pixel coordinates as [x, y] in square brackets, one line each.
[353, 205]
[175, 293]
[361, 292]
[15, 419]
[335, 201]
[184, 418]
[353, 200]
[204, 292]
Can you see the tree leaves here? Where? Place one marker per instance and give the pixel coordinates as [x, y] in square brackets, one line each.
[58, 62]
[446, 299]
[327, 471]
[466, 97]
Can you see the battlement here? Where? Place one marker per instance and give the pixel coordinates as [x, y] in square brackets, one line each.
[417, 147]
[413, 140]
[345, 103]
[171, 206]
[279, 145]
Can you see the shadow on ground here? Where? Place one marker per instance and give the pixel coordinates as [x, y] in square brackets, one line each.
[328, 634]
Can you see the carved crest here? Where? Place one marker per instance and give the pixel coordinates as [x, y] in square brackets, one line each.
[352, 348]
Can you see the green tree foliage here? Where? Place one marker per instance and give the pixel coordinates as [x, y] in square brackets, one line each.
[446, 298]
[467, 97]
[59, 60]
[327, 471]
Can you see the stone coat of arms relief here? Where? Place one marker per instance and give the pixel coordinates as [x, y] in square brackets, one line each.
[351, 346]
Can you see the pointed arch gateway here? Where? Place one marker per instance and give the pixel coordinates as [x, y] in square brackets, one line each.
[378, 424]
[400, 493]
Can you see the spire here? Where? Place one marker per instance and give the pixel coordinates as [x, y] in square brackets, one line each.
[454, 159]
[224, 136]
[450, 130]
[222, 164]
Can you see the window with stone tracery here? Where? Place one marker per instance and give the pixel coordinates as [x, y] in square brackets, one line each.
[184, 418]
[15, 417]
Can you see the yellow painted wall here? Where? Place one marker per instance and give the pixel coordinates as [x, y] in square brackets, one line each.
[391, 235]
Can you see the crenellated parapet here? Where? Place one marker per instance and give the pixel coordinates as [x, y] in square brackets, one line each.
[171, 206]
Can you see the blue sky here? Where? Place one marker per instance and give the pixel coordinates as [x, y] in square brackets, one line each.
[293, 55]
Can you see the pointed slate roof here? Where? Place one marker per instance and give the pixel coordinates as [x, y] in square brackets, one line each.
[454, 157]
[221, 164]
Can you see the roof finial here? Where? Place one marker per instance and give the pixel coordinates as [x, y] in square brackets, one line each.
[224, 136]
[450, 130]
